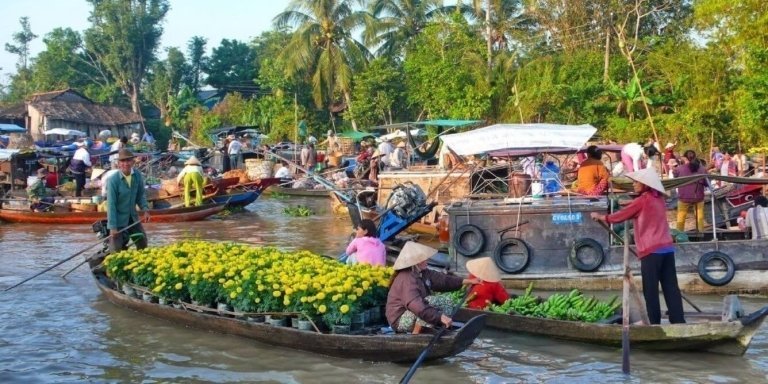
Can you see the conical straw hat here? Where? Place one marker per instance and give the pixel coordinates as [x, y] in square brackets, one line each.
[192, 161]
[412, 254]
[96, 173]
[649, 177]
[485, 269]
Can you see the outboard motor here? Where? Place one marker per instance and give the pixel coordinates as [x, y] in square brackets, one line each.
[406, 200]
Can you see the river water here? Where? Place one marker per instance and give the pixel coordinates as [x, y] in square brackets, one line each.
[62, 330]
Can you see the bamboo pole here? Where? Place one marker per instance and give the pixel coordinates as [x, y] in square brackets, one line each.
[625, 308]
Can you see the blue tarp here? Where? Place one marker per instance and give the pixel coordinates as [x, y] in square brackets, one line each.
[11, 128]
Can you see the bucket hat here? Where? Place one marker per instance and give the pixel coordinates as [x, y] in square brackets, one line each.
[649, 177]
[412, 254]
[125, 154]
[485, 269]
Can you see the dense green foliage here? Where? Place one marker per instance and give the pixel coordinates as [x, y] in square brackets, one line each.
[698, 70]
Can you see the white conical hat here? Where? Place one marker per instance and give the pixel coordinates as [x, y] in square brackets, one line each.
[96, 173]
[649, 177]
[192, 161]
[485, 269]
[412, 254]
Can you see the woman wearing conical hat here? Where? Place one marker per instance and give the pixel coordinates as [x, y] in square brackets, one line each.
[409, 299]
[490, 291]
[655, 248]
[192, 176]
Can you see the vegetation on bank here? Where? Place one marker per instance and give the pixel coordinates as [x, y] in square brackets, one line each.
[698, 67]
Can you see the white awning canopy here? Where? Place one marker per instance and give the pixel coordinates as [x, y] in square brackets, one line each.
[64, 131]
[400, 134]
[519, 136]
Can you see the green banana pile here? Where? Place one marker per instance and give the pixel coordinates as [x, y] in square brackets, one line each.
[573, 306]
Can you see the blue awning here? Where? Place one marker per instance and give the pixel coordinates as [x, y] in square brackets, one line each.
[11, 128]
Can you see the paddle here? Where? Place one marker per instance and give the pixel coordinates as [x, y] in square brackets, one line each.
[625, 308]
[101, 241]
[87, 259]
[619, 238]
[438, 335]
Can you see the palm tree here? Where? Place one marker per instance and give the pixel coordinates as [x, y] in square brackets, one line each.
[322, 46]
[395, 22]
[504, 23]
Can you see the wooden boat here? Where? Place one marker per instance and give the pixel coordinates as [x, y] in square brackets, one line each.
[304, 192]
[170, 215]
[705, 332]
[371, 347]
[237, 199]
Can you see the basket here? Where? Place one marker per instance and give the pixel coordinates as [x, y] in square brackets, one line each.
[347, 145]
[334, 159]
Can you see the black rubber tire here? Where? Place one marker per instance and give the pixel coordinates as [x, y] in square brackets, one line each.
[730, 268]
[503, 266]
[587, 243]
[476, 248]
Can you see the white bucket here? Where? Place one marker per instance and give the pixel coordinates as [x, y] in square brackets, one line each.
[537, 189]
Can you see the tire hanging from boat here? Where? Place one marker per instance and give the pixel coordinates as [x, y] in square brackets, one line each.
[499, 251]
[589, 244]
[730, 268]
[473, 250]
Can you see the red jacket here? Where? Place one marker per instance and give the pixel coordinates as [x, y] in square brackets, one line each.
[486, 293]
[649, 214]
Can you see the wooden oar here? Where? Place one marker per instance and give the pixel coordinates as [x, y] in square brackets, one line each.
[616, 235]
[438, 335]
[101, 241]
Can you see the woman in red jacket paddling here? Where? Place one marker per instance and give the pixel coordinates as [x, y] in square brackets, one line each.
[654, 244]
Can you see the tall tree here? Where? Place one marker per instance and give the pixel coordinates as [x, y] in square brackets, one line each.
[165, 82]
[197, 61]
[396, 22]
[232, 66]
[124, 37]
[323, 46]
[22, 39]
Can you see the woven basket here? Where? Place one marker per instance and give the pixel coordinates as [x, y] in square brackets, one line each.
[334, 159]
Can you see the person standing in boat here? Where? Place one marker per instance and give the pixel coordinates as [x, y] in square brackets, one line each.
[410, 299]
[125, 190]
[366, 248]
[635, 157]
[490, 290]
[757, 218]
[192, 176]
[234, 150]
[592, 179]
[80, 162]
[654, 244]
[690, 195]
[398, 158]
[38, 194]
[115, 148]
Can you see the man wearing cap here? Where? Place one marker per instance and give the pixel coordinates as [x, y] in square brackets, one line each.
[490, 291]
[81, 161]
[655, 248]
[125, 190]
[38, 194]
[192, 175]
[410, 299]
[332, 141]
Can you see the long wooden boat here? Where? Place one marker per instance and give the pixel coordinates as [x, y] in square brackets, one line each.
[304, 192]
[702, 332]
[237, 199]
[170, 215]
[371, 347]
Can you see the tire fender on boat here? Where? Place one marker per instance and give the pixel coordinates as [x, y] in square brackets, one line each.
[504, 266]
[704, 273]
[474, 249]
[588, 243]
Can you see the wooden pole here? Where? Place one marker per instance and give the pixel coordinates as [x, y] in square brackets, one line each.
[625, 307]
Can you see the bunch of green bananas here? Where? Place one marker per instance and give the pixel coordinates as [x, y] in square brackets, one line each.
[573, 306]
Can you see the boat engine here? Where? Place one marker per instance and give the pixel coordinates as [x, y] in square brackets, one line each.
[406, 199]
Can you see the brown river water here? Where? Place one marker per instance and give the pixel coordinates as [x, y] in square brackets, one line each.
[62, 330]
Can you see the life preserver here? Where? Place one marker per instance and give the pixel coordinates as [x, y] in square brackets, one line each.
[730, 268]
[587, 243]
[525, 253]
[473, 249]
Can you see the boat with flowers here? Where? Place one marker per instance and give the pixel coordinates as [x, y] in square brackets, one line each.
[228, 288]
[170, 215]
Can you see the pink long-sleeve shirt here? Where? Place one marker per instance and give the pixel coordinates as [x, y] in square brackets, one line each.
[649, 215]
[368, 250]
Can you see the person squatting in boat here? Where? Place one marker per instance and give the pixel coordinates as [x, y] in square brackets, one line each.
[410, 303]
[654, 244]
[366, 248]
[490, 290]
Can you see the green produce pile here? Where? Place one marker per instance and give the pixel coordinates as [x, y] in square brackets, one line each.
[574, 306]
[298, 210]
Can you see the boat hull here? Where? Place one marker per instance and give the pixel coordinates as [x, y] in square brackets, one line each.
[722, 337]
[323, 193]
[389, 348]
[171, 215]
